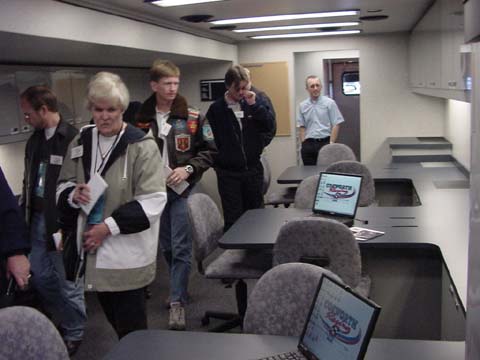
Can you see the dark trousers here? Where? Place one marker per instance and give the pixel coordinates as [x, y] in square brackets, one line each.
[310, 149]
[125, 310]
[240, 191]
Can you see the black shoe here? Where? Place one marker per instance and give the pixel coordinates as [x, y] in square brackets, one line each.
[72, 346]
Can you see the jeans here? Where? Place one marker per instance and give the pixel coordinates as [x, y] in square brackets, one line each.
[62, 298]
[176, 243]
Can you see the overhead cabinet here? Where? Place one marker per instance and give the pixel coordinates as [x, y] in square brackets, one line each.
[438, 57]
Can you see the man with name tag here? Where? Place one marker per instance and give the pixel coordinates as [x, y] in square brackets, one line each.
[185, 140]
[44, 156]
[243, 124]
[318, 121]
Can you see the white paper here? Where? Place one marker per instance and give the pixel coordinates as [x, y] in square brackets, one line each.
[180, 188]
[363, 234]
[97, 187]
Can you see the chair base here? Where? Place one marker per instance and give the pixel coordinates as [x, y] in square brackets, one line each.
[232, 320]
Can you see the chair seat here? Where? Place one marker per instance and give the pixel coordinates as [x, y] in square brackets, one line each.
[239, 264]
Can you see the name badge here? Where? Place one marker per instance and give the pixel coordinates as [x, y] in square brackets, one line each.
[165, 129]
[56, 159]
[77, 152]
[239, 114]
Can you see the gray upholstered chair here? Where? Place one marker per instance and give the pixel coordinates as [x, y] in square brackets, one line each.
[231, 265]
[323, 242]
[306, 192]
[367, 193]
[280, 300]
[283, 196]
[331, 153]
[25, 333]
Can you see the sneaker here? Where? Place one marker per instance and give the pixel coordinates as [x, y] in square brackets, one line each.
[176, 320]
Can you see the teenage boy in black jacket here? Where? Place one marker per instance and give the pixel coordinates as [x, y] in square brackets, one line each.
[242, 124]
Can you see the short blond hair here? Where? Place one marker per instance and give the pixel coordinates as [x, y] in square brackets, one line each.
[106, 86]
[163, 68]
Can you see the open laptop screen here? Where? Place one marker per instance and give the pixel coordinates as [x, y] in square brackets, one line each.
[339, 325]
[337, 194]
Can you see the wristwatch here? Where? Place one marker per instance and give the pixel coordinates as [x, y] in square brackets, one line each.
[189, 169]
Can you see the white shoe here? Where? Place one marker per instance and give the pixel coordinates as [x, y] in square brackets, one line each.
[176, 319]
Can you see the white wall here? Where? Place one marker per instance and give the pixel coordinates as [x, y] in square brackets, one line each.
[387, 106]
[458, 130]
[53, 19]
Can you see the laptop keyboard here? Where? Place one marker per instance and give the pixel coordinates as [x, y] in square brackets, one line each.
[294, 355]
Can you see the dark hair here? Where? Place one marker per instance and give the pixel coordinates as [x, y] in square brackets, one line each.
[236, 74]
[40, 95]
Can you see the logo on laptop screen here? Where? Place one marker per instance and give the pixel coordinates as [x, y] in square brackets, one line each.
[340, 325]
[338, 191]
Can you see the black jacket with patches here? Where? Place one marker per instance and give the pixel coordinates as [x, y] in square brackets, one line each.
[190, 140]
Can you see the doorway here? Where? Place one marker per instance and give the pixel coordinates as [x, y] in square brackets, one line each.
[342, 84]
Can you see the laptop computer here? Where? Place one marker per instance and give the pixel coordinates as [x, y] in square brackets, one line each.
[337, 196]
[339, 325]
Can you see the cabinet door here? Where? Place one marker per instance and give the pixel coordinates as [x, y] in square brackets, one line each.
[416, 66]
[62, 87]
[432, 46]
[79, 90]
[9, 107]
[452, 75]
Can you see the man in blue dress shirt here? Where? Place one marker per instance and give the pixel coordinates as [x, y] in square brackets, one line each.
[318, 120]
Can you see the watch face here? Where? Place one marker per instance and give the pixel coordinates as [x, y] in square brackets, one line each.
[189, 169]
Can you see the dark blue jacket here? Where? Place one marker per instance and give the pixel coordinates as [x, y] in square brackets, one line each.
[240, 149]
[13, 233]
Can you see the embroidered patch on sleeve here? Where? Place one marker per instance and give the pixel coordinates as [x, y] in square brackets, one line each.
[207, 132]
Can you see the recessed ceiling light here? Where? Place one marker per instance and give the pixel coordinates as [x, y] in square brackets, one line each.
[196, 18]
[373, 17]
[167, 3]
[297, 27]
[312, 34]
[284, 17]
[223, 27]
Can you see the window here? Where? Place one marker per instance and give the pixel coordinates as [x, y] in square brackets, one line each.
[351, 83]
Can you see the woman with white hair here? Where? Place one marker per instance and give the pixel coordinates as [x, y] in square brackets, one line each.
[119, 236]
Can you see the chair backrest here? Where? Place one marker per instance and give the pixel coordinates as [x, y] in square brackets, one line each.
[26, 333]
[267, 174]
[206, 225]
[320, 238]
[331, 153]
[367, 194]
[306, 192]
[280, 300]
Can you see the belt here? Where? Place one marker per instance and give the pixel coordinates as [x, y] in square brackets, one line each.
[319, 140]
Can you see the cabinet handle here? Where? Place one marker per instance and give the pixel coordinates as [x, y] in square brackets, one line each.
[432, 83]
[452, 83]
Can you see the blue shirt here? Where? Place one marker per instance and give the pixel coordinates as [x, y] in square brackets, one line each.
[318, 117]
